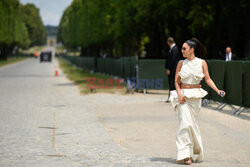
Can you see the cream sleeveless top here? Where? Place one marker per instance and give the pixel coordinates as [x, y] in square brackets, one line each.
[191, 71]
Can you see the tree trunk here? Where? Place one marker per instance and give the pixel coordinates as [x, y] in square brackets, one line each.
[5, 51]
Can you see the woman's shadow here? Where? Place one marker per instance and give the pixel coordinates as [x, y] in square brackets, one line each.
[161, 159]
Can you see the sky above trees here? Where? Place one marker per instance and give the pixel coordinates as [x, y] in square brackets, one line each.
[50, 10]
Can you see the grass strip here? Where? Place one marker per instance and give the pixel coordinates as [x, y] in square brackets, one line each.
[11, 60]
[80, 78]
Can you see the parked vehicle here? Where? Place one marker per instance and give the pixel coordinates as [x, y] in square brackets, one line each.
[46, 56]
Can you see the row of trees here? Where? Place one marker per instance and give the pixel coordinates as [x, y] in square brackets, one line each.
[20, 27]
[129, 27]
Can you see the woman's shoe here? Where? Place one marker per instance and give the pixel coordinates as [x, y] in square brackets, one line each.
[188, 161]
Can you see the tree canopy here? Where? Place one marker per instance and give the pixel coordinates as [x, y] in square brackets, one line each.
[33, 22]
[20, 26]
[128, 27]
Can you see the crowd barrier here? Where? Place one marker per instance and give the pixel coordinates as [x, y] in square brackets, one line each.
[233, 83]
[20, 54]
[246, 84]
[153, 70]
[121, 67]
[217, 73]
[233, 76]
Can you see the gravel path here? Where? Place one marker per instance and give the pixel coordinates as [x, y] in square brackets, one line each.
[44, 121]
[146, 126]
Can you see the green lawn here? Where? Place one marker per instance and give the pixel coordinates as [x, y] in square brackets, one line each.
[80, 78]
[11, 60]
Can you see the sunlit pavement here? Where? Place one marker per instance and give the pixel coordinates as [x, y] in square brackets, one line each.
[44, 121]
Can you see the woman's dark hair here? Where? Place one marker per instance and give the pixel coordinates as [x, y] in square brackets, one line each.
[199, 49]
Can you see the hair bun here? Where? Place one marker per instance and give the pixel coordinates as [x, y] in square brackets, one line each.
[200, 50]
[195, 40]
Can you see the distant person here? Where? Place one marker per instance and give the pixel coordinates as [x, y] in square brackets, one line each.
[171, 62]
[186, 100]
[229, 56]
[105, 55]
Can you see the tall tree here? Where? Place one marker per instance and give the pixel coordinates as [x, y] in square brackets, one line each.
[33, 22]
[17, 28]
[12, 29]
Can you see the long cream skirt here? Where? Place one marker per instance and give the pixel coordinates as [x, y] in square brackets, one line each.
[188, 138]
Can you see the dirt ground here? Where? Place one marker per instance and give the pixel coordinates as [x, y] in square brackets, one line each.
[146, 125]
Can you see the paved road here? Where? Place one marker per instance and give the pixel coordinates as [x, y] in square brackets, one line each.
[45, 122]
[146, 126]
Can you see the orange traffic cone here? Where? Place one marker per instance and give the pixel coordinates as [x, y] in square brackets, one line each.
[56, 73]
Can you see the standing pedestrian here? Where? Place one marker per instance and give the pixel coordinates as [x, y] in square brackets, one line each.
[171, 62]
[229, 56]
[186, 100]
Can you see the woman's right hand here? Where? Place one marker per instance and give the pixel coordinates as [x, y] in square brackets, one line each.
[181, 99]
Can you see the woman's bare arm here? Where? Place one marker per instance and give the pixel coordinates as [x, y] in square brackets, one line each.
[208, 80]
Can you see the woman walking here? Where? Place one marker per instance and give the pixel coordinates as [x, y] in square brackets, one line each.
[186, 100]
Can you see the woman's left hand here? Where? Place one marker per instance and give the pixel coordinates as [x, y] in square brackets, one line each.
[221, 93]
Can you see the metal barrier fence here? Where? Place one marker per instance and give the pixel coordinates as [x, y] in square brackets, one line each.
[20, 54]
[153, 70]
[233, 76]
[121, 67]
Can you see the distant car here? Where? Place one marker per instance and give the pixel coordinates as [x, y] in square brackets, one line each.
[46, 56]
